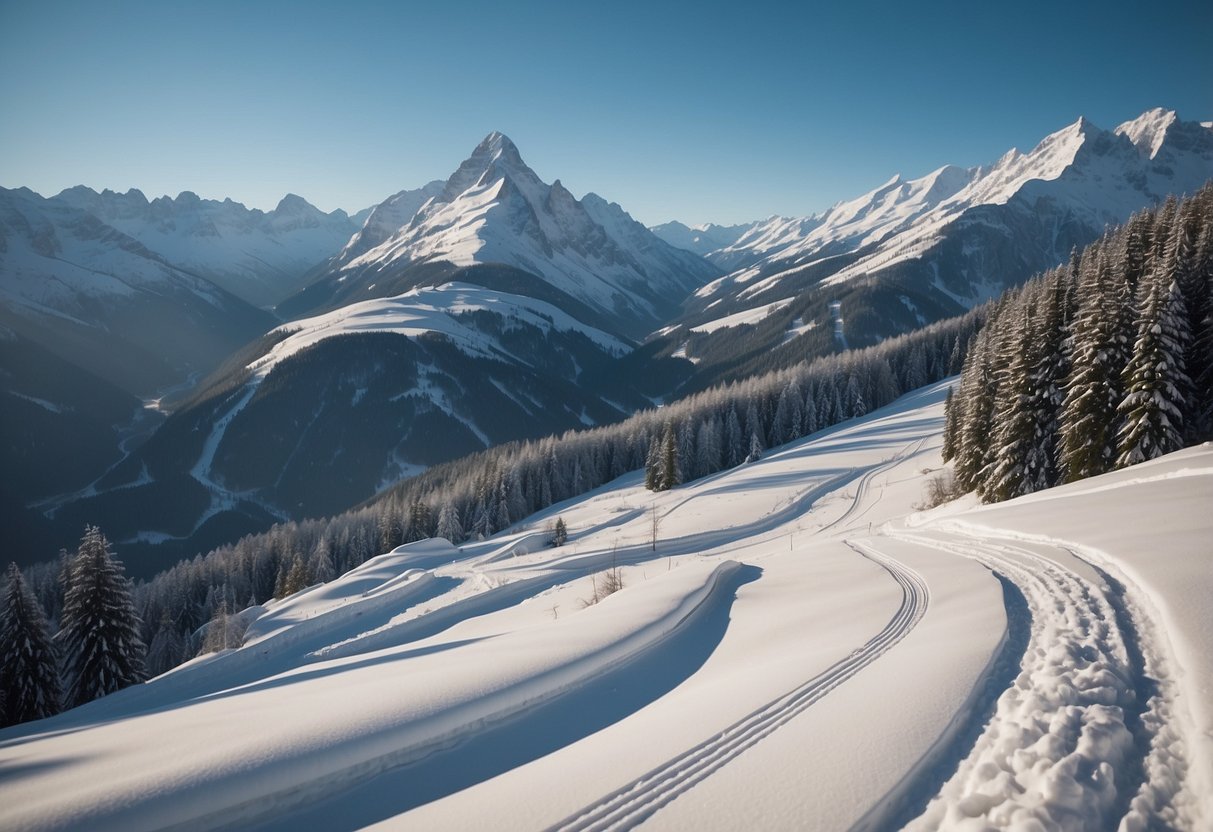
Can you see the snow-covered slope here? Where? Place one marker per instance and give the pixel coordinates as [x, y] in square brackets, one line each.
[974, 231]
[495, 209]
[258, 256]
[101, 299]
[797, 649]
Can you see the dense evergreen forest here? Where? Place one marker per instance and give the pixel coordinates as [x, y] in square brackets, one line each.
[1094, 366]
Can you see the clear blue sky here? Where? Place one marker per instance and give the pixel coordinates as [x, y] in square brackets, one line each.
[696, 111]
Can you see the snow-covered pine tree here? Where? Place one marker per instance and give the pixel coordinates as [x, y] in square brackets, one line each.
[855, 404]
[560, 534]
[755, 453]
[1016, 452]
[670, 472]
[322, 562]
[1088, 416]
[652, 465]
[1050, 336]
[949, 427]
[1155, 381]
[167, 649]
[734, 449]
[29, 670]
[976, 392]
[100, 629]
[449, 526]
[1190, 254]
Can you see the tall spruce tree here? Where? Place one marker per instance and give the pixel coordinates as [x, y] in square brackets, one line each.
[1155, 380]
[100, 628]
[29, 670]
[1088, 416]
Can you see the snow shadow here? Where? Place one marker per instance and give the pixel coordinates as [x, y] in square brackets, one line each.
[535, 733]
[909, 798]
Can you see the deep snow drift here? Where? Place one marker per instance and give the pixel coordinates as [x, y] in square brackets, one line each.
[794, 647]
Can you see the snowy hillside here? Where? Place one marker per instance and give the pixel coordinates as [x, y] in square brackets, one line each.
[793, 647]
[494, 209]
[258, 256]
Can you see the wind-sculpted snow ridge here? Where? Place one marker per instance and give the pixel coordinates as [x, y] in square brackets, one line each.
[634, 803]
[1083, 738]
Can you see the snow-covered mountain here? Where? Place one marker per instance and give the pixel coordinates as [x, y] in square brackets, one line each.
[256, 255]
[793, 647]
[702, 239]
[101, 299]
[495, 210]
[914, 251]
[1064, 191]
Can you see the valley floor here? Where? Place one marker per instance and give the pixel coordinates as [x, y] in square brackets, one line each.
[794, 647]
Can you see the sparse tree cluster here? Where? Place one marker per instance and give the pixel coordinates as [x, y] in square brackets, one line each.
[1094, 366]
[97, 650]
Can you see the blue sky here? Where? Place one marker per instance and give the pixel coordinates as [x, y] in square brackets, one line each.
[697, 111]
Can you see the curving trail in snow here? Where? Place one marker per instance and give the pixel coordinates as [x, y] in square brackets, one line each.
[635, 802]
[1083, 738]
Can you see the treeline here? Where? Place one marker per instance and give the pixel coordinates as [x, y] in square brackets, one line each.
[483, 493]
[1094, 366]
[96, 650]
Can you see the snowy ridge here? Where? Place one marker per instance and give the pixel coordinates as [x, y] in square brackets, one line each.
[256, 255]
[1092, 176]
[433, 310]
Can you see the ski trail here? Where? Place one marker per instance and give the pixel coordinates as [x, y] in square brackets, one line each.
[865, 484]
[1080, 739]
[635, 802]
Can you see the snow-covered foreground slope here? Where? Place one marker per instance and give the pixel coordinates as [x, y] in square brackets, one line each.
[793, 648]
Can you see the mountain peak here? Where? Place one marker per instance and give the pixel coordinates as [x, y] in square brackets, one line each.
[1148, 131]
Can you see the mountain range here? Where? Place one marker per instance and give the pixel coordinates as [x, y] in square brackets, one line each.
[913, 251]
[319, 357]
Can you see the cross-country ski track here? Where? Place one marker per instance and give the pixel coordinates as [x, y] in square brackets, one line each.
[796, 646]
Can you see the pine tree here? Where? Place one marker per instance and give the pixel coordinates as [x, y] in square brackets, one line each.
[1155, 379]
[734, 450]
[755, 453]
[29, 671]
[296, 577]
[560, 534]
[1012, 469]
[100, 629]
[448, 523]
[322, 562]
[652, 465]
[670, 474]
[1088, 416]
[167, 649]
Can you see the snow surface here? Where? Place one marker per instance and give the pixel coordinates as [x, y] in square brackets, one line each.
[433, 309]
[798, 649]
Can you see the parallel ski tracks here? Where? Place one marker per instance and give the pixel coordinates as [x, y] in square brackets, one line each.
[633, 803]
